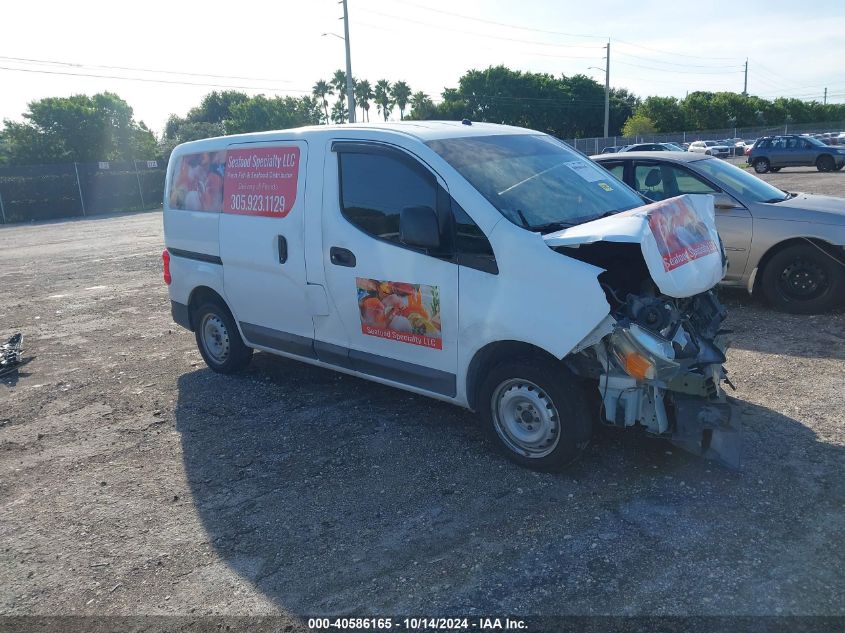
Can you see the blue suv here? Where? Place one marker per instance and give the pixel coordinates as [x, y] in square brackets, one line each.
[771, 153]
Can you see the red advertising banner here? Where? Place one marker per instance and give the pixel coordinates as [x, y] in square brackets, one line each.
[398, 311]
[680, 234]
[261, 181]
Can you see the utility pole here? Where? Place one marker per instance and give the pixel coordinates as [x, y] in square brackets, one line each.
[607, 93]
[350, 97]
[825, 96]
[745, 85]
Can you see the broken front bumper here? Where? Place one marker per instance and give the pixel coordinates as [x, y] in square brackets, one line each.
[686, 406]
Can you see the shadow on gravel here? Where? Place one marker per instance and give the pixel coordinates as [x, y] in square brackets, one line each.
[333, 495]
[823, 334]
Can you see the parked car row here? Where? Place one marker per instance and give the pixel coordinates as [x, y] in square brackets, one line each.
[722, 148]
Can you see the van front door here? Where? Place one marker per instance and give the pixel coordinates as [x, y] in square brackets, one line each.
[395, 308]
[262, 246]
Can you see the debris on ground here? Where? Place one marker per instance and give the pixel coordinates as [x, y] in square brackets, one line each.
[11, 354]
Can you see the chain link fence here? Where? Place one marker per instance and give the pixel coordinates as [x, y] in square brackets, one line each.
[595, 145]
[46, 192]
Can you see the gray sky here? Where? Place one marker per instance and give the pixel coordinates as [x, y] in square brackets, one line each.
[657, 47]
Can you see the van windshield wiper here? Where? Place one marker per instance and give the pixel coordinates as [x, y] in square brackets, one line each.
[550, 227]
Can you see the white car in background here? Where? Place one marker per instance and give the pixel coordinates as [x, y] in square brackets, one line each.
[711, 148]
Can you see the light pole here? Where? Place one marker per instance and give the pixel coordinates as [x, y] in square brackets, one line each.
[350, 96]
[606, 90]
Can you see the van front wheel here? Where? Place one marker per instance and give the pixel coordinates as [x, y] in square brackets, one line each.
[218, 339]
[535, 413]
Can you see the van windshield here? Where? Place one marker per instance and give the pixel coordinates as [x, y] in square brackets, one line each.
[536, 181]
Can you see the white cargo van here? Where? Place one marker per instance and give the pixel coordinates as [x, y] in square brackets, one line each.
[489, 266]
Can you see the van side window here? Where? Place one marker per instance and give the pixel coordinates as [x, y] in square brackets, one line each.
[471, 245]
[374, 188]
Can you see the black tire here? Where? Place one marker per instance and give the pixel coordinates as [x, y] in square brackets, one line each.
[761, 165]
[218, 339]
[545, 383]
[803, 279]
[775, 169]
[708, 153]
[825, 163]
[839, 167]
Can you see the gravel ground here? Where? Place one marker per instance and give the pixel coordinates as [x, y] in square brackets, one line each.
[133, 480]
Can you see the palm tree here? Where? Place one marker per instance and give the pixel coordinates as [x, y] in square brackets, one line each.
[339, 111]
[363, 95]
[421, 104]
[338, 82]
[401, 93]
[382, 97]
[321, 90]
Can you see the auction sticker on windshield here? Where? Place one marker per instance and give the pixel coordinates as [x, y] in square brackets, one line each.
[261, 181]
[587, 171]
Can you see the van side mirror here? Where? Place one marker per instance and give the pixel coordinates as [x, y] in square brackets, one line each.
[418, 226]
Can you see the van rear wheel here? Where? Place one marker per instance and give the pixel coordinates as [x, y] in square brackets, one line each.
[218, 339]
[535, 413]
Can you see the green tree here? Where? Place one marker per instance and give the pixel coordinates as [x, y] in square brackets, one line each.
[422, 107]
[638, 125]
[261, 113]
[363, 95]
[216, 107]
[321, 90]
[77, 129]
[340, 112]
[178, 130]
[401, 93]
[383, 98]
[338, 82]
[666, 112]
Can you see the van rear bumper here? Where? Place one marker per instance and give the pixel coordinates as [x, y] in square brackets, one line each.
[181, 314]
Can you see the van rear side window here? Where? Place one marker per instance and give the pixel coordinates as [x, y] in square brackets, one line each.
[374, 188]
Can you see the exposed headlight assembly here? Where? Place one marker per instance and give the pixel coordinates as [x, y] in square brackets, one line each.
[643, 355]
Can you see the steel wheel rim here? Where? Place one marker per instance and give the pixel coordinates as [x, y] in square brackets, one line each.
[525, 418]
[803, 280]
[215, 338]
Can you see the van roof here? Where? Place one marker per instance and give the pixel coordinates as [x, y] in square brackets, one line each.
[421, 130]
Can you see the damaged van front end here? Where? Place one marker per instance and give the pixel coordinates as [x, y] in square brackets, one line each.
[658, 356]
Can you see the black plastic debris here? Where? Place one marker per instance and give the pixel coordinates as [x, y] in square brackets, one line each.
[11, 354]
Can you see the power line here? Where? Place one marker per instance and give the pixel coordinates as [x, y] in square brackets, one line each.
[683, 65]
[534, 53]
[137, 69]
[673, 53]
[689, 72]
[486, 21]
[440, 27]
[151, 80]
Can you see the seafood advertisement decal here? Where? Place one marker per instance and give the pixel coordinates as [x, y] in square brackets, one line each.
[260, 181]
[408, 313]
[197, 183]
[680, 234]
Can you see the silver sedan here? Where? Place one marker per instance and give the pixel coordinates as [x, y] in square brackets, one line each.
[788, 246]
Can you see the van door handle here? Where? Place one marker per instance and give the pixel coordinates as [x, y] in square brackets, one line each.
[283, 249]
[342, 257]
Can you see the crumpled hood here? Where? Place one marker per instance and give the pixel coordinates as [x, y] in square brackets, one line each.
[678, 238]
